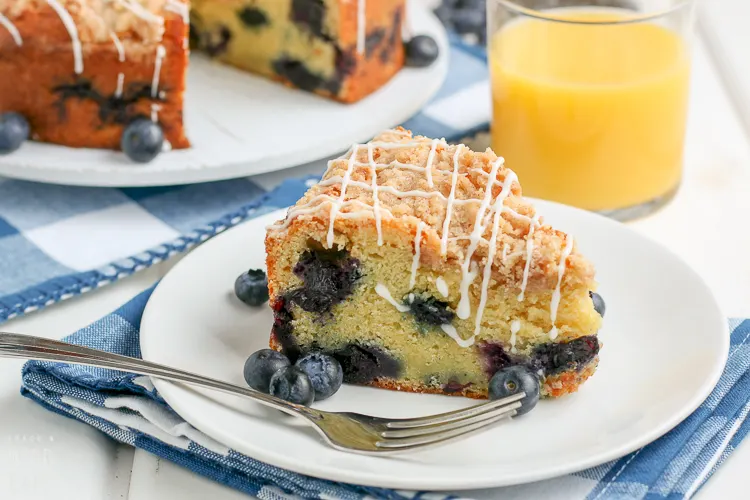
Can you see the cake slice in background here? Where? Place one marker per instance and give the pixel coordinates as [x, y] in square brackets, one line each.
[81, 70]
[343, 49]
[420, 267]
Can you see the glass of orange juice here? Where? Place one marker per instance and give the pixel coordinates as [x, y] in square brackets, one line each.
[590, 99]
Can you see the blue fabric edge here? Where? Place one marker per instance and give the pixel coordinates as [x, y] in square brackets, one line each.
[63, 289]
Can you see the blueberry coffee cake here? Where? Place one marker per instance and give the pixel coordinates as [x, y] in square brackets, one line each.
[80, 72]
[343, 49]
[419, 267]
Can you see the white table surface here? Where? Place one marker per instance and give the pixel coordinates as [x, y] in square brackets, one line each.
[43, 455]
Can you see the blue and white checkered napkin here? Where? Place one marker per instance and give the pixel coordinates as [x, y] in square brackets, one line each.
[127, 408]
[58, 241]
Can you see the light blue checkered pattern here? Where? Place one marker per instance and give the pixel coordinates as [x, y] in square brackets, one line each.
[673, 467]
[58, 241]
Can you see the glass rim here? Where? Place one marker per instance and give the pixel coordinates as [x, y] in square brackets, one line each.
[636, 18]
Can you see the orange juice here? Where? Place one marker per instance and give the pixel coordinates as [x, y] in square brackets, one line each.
[592, 115]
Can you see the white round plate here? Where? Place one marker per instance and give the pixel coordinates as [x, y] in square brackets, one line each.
[665, 344]
[240, 124]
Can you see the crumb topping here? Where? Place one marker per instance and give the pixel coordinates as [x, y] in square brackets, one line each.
[467, 206]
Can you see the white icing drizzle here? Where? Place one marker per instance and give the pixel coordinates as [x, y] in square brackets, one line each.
[529, 251]
[361, 26]
[179, 8]
[70, 25]
[118, 46]
[375, 199]
[505, 252]
[11, 29]
[442, 286]
[451, 200]
[312, 207]
[384, 189]
[555, 302]
[464, 306]
[515, 326]
[155, 108]
[120, 83]
[430, 159]
[121, 58]
[417, 252]
[336, 206]
[183, 10]
[492, 249]
[161, 53]
[450, 330]
[383, 291]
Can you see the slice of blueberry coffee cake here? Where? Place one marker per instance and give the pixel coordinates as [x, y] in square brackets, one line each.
[419, 266]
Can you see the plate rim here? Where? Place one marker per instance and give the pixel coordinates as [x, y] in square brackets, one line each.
[171, 394]
[133, 175]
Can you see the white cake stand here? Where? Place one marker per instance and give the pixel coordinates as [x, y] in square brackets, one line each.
[240, 125]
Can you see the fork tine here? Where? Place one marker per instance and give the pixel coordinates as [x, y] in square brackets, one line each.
[453, 424]
[451, 416]
[419, 442]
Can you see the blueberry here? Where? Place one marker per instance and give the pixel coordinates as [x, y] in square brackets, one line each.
[325, 373]
[293, 385]
[328, 279]
[215, 42]
[512, 380]
[445, 13]
[298, 74]
[364, 363]
[260, 367]
[142, 140]
[469, 20]
[599, 304]
[472, 4]
[14, 129]
[252, 17]
[428, 310]
[557, 357]
[421, 51]
[251, 287]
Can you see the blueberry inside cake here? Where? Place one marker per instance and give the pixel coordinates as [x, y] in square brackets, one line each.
[420, 267]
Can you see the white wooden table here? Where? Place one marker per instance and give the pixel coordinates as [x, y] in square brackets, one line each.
[43, 455]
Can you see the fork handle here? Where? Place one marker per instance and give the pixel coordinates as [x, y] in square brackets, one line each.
[28, 347]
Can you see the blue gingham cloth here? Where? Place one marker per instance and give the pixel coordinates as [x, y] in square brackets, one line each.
[59, 241]
[127, 408]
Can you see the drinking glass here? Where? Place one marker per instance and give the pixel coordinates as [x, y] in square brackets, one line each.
[590, 98]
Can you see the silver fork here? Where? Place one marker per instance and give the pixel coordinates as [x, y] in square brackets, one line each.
[351, 432]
